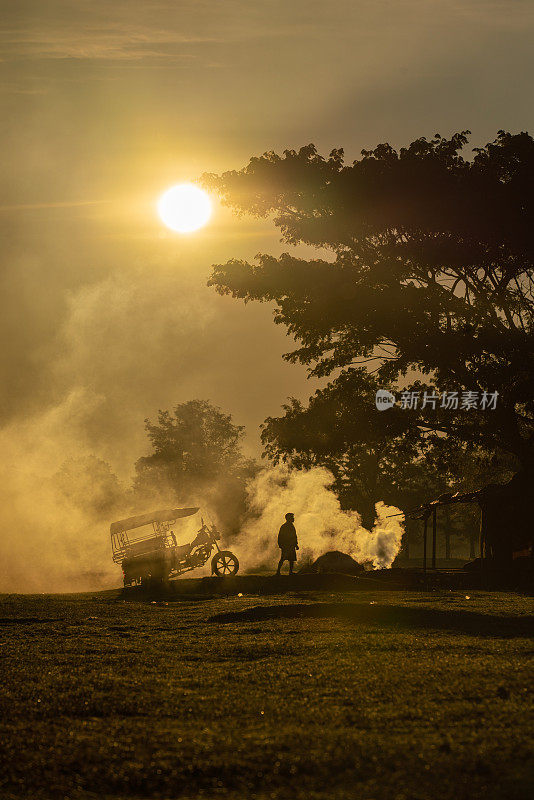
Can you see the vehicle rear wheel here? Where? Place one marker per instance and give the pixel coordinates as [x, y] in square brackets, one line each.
[224, 564]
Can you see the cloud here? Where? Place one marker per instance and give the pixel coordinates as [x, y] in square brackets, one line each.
[61, 204]
[133, 31]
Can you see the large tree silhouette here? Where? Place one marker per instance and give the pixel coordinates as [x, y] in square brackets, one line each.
[430, 272]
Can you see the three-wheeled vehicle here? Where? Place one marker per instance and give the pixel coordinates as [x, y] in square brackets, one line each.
[146, 547]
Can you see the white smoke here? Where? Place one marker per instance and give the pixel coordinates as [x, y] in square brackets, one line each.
[48, 543]
[321, 523]
[51, 542]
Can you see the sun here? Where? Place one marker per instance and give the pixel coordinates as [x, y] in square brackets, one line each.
[184, 208]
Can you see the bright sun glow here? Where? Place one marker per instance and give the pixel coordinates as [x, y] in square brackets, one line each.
[184, 208]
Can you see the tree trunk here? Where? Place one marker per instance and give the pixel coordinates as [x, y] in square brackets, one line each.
[447, 533]
[506, 520]
[368, 515]
[369, 499]
[472, 545]
[406, 542]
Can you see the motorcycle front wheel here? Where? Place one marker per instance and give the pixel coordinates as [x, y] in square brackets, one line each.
[224, 564]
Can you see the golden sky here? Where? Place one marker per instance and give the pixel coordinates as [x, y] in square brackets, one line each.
[104, 312]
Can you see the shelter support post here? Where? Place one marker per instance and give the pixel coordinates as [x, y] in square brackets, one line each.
[425, 530]
[434, 536]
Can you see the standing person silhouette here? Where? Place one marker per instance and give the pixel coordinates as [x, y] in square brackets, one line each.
[288, 543]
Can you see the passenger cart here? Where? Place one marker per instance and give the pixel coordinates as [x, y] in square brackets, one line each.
[147, 548]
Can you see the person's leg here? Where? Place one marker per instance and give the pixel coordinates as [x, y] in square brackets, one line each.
[280, 565]
[291, 563]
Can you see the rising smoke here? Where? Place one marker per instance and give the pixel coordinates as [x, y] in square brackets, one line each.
[321, 523]
[83, 364]
[55, 541]
[50, 541]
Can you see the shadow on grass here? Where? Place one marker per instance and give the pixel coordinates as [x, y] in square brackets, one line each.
[467, 622]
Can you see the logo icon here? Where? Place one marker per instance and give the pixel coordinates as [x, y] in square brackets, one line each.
[384, 399]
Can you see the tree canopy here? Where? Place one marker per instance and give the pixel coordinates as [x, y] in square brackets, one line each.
[374, 456]
[196, 458]
[426, 275]
[341, 430]
[90, 484]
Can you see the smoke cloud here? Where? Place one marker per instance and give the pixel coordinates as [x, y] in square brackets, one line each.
[83, 365]
[51, 542]
[321, 523]
[56, 540]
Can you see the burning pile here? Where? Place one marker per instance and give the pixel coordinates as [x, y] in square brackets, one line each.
[334, 561]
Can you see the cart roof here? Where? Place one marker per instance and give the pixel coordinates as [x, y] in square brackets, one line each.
[154, 516]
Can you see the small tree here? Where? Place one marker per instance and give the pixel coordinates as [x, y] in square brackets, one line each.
[196, 459]
[90, 484]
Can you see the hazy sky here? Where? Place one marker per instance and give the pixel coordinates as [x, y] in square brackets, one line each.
[105, 315]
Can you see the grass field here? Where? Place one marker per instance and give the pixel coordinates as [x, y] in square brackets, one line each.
[366, 695]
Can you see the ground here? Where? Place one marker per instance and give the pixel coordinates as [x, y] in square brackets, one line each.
[370, 695]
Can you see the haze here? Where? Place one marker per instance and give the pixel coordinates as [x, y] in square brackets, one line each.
[105, 314]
